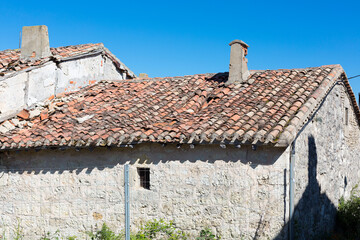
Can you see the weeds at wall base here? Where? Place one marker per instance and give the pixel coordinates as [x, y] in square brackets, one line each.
[155, 229]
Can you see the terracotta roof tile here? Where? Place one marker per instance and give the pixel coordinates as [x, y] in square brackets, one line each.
[10, 61]
[189, 109]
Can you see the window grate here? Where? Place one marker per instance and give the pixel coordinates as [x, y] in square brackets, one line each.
[144, 175]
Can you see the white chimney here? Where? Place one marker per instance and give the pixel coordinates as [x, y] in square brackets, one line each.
[238, 70]
[35, 42]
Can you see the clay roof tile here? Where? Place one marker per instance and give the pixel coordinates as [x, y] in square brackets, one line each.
[190, 109]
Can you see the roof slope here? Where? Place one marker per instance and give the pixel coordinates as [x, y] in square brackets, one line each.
[10, 61]
[191, 109]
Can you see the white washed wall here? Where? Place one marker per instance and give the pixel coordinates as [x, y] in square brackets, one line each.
[28, 88]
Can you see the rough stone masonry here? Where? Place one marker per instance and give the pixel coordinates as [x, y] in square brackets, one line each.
[238, 193]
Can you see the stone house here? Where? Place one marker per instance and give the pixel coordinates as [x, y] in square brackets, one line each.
[37, 72]
[251, 154]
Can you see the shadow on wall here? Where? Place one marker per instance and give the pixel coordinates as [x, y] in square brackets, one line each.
[80, 160]
[314, 215]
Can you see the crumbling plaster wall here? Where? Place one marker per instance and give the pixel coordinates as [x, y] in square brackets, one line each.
[12, 94]
[237, 192]
[25, 89]
[327, 164]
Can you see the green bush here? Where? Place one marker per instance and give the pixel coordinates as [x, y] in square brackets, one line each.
[206, 234]
[49, 236]
[105, 233]
[349, 214]
[159, 229]
[155, 229]
[56, 236]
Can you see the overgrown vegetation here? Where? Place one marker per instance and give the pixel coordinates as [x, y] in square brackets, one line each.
[156, 229]
[18, 234]
[206, 234]
[56, 236]
[349, 215]
[105, 233]
[159, 230]
[348, 221]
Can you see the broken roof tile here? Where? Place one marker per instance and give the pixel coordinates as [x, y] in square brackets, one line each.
[189, 109]
[10, 61]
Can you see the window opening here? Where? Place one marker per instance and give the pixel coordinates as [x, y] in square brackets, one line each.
[346, 116]
[144, 175]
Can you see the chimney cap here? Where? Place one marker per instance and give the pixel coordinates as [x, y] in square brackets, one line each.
[240, 42]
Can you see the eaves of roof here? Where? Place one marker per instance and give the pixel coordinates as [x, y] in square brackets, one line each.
[199, 109]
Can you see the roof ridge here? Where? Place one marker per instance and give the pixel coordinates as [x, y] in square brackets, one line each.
[10, 50]
[251, 71]
[298, 69]
[77, 45]
[150, 112]
[62, 53]
[183, 76]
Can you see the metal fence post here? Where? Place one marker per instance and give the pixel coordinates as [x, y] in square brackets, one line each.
[127, 208]
[292, 186]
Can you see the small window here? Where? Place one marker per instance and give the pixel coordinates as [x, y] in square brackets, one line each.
[144, 175]
[346, 116]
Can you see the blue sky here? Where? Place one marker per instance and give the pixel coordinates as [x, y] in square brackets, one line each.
[174, 38]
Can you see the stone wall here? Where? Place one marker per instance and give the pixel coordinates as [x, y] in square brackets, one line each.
[25, 89]
[237, 192]
[327, 164]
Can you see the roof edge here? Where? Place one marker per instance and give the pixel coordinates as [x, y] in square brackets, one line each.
[117, 62]
[100, 48]
[335, 75]
[302, 117]
[352, 98]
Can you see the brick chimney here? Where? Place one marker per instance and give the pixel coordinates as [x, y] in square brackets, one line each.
[35, 42]
[238, 70]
